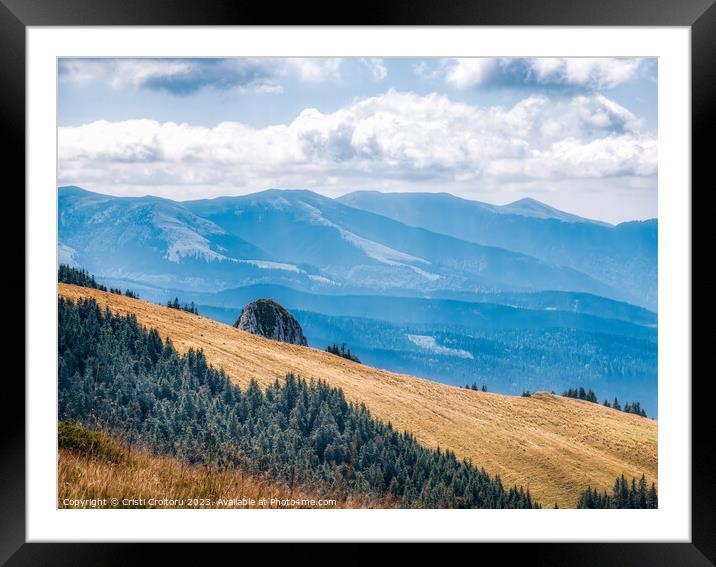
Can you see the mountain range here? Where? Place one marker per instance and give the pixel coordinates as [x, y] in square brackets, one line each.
[364, 243]
[521, 296]
[623, 257]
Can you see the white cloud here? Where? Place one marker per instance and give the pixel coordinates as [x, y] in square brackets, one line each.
[470, 72]
[309, 70]
[120, 73]
[182, 76]
[627, 154]
[579, 72]
[395, 140]
[261, 86]
[376, 67]
[425, 70]
[593, 72]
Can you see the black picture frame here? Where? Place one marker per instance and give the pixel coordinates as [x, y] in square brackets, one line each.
[699, 15]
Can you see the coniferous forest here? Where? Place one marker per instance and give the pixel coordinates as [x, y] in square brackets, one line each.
[342, 351]
[366, 283]
[188, 307]
[116, 376]
[624, 495]
[77, 276]
[590, 396]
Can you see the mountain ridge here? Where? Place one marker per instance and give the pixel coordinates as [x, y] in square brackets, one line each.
[525, 206]
[302, 238]
[623, 256]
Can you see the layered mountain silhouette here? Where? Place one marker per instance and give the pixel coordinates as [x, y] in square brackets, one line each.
[395, 244]
[521, 296]
[623, 257]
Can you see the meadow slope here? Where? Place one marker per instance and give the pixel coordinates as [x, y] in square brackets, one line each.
[555, 446]
[144, 476]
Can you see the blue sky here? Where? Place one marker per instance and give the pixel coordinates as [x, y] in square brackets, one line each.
[579, 134]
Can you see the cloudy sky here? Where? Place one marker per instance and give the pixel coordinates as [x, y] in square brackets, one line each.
[579, 134]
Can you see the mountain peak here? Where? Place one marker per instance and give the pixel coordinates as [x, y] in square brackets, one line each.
[74, 190]
[529, 207]
[288, 192]
[529, 201]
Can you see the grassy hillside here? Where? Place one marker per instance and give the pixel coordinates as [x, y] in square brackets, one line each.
[554, 445]
[135, 478]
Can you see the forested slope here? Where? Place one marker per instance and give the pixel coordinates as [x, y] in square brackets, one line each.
[556, 446]
[118, 376]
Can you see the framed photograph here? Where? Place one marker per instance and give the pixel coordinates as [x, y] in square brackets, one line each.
[419, 277]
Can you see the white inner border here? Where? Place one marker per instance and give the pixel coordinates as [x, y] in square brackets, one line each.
[671, 522]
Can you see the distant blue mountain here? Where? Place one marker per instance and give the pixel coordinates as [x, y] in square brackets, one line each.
[508, 360]
[537, 341]
[522, 296]
[513, 310]
[159, 242]
[510, 352]
[529, 207]
[623, 257]
[294, 238]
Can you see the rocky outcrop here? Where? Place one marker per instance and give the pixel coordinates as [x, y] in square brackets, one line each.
[268, 319]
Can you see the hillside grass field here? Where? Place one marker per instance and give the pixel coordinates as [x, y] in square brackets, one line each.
[141, 480]
[552, 445]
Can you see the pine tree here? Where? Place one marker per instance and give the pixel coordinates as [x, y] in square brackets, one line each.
[625, 494]
[77, 276]
[118, 376]
[343, 352]
[652, 501]
[642, 497]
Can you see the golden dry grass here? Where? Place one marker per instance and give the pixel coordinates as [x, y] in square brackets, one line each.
[148, 481]
[555, 446]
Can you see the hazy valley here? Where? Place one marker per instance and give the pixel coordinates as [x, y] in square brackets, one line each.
[508, 296]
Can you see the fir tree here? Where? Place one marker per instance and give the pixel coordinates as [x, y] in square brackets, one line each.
[624, 494]
[77, 276]
[188, 307]
[652, 501]
[342, 352]
[119, 377]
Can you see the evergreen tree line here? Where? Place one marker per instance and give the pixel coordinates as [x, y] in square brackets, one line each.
[188, 307]
[126, 292]
[342, 351]
[78, 276]
[633, 407]
[117, 376]
[473, 386]
[590, 396]
[624, 495]
[581, 394]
